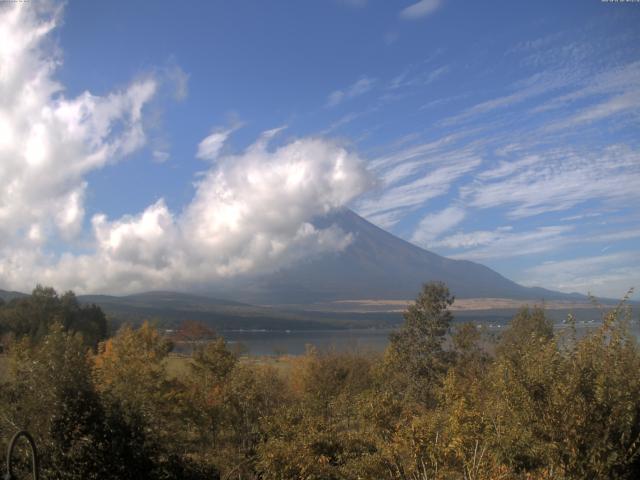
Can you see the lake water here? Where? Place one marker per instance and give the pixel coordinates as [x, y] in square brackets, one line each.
[265, 342]
[295, 342]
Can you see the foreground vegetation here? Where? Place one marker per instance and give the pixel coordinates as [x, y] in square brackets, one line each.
[542, 406]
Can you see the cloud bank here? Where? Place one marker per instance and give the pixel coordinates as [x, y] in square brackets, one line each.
[48, 142]
[252, 212]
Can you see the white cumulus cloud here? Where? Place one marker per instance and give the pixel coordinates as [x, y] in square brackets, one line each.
[48, 142]
[252, 212]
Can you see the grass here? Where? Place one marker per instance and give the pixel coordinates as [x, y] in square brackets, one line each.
[178, 365]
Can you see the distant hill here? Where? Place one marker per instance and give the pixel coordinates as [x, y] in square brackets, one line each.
[377, 265]
[166, 299]
[7, 295]
[171, 308]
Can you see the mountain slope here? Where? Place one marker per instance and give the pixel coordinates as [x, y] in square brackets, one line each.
[376, 264]
[9, 295]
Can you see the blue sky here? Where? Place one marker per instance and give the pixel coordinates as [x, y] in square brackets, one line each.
[500, 132]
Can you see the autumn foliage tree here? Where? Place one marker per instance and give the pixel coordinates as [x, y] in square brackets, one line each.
[34, 315]
[416, 350]
[445, 401]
